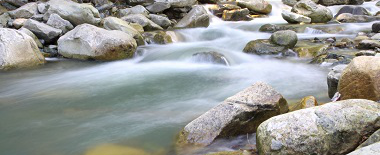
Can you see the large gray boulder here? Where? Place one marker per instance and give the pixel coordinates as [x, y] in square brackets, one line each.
[294, 18]
[143, 21]
[88, 42]
[361, 79]
[31, 34]
[26, 11]
[258, 6]
[113, 23]
[179, 3]
[373, 149]
[334, 128]
[138, 9]
[59, 23]
[238, 114]
[197, 17]
[74, 12]
[160, 20]
[18, 50]
[17, 3]
[158, 7]
[287, 38]
[317, 13]
[42, 31]
[333, 79]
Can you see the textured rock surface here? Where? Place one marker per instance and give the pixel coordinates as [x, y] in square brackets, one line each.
[210, 57]
[361, 79]
[258, 6]
[88, 42]
[287, 38]
[317, 13]
[18, 50]
[26, 11]
[59, 23]
[373, 149]
[263, 47]
[332, 128]
[197, 17]
[294, 18]
[238, 114]
[42, 31]
[374, 138]
[333, 79]
[113, 23]
[143, 21]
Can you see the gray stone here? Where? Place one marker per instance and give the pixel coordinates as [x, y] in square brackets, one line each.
[294, 18]
[350, 18]
[26, 11]
[374, 138]
[88, 42]
[18, 50]
[143, 21]
[197, 17]
[293, 2]
[42, 31]
[74, 12]
[138, 9]
[332, 128]
[373, 149]
[258, 6]
[160, 20]
[19, 22]
[17, 3]
[368, 44]
[287, 38]
[113, 23]
[341, 2]
[333, 79]
[42, 8]
[158, 7]
[31, 34]
[355, 10]
[57, 22]
[237, 115]
[4, 19]
[179, 3]
[317, 13]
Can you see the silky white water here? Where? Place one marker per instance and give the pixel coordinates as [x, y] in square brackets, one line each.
[68, 106]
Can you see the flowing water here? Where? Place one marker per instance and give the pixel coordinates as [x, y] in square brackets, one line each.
[67, 106]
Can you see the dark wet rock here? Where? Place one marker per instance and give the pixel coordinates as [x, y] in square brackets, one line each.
[158, 7]
[197, 17]
[236, 15]
[143, 21]
[368, 44]
[355, 10]
[285, 38]
[332, 128]
[333, 79]
[341, 2]
[18, 50]
[257, 6]
[210, 57]
[376, 27]
[263, 47]
[317, 13]
[88, 42]
[361, 79]
[294, 18]
[237, 115]
[43, 31]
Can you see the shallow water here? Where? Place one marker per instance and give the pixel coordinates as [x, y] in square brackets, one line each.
[68, 107]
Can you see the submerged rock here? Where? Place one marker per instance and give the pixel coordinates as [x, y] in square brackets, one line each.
[341, 2]
[285, 38]
[317, 13]
[197, 17]
[88, 42]
[210, 57]
[238, 114]
[361, 79]
[74, 12]
[18, 50]
[333, 79]
[332, 128]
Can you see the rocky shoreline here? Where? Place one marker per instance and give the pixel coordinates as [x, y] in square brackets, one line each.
[108, 30]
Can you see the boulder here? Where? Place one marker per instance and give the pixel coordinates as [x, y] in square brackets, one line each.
[374, 138]
[88, 42]
[317, 13]
[18, 50]
[350, 18]
[143, 21]
[179, 3]
[237, 115]
[373, 149]
[361, 79]
[74, 12]
[158, 7]
[16, 3]
[157, 37]
[293, 2]
[236, 15]
[376, 27]
[4, 19]
[42, 31]
[113, 23]
[341, 2]
[287, 38]
[31, 34]
[263, 47]
[258, 6]
[42, 7]
[333, 79]
[294, 18]
[355, 10]
[59, 23]
[160, 20]
[138, 9]
[197, 17]
[210, 57]
[311, 51]
[332, 128]
[26, 11]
